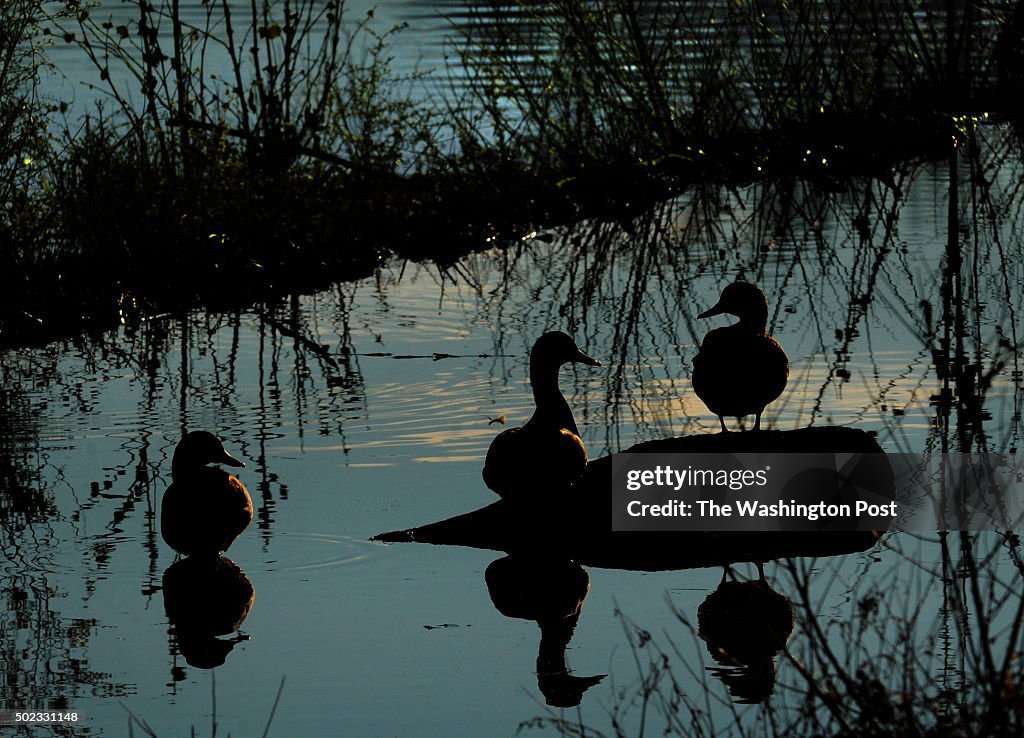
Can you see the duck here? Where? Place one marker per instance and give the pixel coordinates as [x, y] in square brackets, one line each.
[547, 450]
[740, 369]
[205, 509]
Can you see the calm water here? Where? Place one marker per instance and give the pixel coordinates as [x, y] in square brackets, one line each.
[365, 408]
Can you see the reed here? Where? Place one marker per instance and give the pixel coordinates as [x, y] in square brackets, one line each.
[24, 151]
[732, 92]
[270, 146]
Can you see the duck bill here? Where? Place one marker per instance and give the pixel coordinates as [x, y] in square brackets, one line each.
[588, 360]
[229, 460]
[718, 309]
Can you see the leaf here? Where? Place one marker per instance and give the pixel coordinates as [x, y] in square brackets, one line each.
[122, 31]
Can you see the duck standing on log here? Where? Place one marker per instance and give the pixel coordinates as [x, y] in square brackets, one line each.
[740, 369]
[546, 452]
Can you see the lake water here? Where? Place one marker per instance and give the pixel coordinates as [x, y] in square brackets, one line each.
[366, 408]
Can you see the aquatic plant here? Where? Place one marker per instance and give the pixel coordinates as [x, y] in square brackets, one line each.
[24, 151]
[263, 149]
[666, 93]
[270, 146]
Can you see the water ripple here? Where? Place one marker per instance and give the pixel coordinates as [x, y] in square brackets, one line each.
[303, 551]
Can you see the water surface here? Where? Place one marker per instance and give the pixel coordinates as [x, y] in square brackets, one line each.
[367, 408]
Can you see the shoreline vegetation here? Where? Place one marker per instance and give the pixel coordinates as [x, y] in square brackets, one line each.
[269, 149]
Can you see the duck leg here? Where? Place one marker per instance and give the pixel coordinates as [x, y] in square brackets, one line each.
[757, 422]
[722, 421]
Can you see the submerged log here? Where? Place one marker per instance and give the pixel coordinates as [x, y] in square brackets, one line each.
[576, 523]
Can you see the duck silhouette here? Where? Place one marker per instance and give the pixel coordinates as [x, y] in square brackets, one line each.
[551, 593]
[205, 508]
[744, 626]
[548, 448]
[740, 369]
[206, 597]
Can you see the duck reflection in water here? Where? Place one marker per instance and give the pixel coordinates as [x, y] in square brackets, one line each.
[547, 452]
[552, 594]
[740, 369]
[206, 597]
[205, 509]
[745, 625]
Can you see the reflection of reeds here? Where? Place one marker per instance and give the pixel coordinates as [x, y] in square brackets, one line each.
[857, 283]
[43, 650]
[134, 721]
[24, 500]
[910, 650]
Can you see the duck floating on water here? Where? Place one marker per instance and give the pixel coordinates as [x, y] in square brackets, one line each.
[547, 450]
[205, 508]
[740, 368]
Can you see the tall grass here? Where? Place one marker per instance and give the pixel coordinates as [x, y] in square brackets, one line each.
[23, 117]
[23, 150]
[250, 154]
[270, 146]
[734, 90]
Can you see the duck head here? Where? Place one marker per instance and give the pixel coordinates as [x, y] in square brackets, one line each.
[556, 348]
[199, 448]
[744, 300]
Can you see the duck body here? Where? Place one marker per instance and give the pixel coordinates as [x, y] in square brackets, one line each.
[520, 458]
[738, 372]
[547, 451]
[205, 509]
[740, 369]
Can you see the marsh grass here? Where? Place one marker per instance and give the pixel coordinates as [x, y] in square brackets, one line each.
[675, 93]
[270, 147]
[250, 161]
[24, 150]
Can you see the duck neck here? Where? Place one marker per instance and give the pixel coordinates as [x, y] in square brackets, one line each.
[552, 409]
[755, 319]
[555, 634]
[184, 468]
